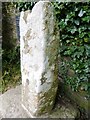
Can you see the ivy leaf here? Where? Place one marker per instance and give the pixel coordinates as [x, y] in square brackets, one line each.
[81, 13]
[73, 30]
[86, 19]
[68, 41]
[86, 87]
[86, 40]
[81, 35]
[68, 52]
[88, 28]
[87, 50]
[77, 22]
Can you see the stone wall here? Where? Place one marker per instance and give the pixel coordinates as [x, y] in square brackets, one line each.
[39, 42]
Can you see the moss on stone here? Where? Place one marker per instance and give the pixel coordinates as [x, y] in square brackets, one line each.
[43, 79]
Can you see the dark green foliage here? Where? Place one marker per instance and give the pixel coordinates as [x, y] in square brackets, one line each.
[10, 50]
[8, 26]
[22, 6]
[11, 56]
[10, 68]
[74, 23]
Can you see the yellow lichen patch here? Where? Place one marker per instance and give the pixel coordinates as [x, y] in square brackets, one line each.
[27, 35]
[25, 15]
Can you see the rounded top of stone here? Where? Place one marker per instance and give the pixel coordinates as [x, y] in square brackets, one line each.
[43, 1]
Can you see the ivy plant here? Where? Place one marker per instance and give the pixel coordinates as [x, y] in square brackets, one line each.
[23, 6]
[74, 23]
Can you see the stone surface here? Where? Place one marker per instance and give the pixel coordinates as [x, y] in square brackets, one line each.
[80, 98]
[10, 107]
[10, 104]
[39, 40]
[1, 116]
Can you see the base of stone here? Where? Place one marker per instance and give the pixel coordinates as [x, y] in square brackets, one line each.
[10, 107]
[29, 114]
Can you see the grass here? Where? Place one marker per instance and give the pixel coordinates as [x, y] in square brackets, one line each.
[11, 77]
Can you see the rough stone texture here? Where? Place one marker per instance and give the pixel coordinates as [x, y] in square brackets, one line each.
[10, 107]
[77, 97]
[64, 112]
[10, 104]
[1, 116]
[39, 39]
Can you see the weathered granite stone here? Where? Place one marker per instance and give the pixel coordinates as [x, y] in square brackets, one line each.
[39, 40]
[10, 107]
[10, 104]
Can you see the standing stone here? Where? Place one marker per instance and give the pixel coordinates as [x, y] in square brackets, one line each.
[39, 40]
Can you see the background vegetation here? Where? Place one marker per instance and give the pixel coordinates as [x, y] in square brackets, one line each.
[11, 51]
[74, 24]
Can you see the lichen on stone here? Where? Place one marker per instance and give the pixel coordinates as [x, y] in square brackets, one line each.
[25, 15]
